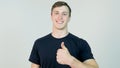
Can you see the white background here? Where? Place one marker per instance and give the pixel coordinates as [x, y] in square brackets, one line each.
[23, 21]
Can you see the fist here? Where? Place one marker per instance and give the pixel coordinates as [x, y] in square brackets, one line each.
[63, 55]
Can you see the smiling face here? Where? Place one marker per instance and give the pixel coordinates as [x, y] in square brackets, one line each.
[60, 17]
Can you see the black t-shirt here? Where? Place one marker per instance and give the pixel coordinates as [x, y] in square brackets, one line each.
[45, 49]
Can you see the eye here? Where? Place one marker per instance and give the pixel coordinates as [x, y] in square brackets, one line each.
[65, 14]
[56, 13]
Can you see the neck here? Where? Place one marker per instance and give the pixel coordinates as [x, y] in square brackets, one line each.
[59, 33]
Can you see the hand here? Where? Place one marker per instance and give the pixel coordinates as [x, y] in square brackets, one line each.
[63, 55]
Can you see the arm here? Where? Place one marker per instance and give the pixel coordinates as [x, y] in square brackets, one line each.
[90, 63]
[33, 65]
[64, 57]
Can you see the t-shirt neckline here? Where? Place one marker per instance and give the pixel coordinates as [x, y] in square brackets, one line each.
[59, 38]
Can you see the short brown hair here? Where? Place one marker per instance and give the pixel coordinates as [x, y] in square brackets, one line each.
[59, 4]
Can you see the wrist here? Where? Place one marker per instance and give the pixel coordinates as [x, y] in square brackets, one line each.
[72, 59]
[74, 62]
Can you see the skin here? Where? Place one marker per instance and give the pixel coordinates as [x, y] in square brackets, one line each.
[60, 18]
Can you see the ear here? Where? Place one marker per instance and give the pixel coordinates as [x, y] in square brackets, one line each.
[69, 19]
[51, 13]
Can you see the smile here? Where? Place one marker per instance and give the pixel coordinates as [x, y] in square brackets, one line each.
[60, 22]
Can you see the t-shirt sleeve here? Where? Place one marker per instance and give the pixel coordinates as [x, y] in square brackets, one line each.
[34, 56]
[85, 52]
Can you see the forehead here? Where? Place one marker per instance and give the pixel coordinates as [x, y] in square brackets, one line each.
[61, 9]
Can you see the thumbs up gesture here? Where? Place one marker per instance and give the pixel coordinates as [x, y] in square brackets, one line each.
[63, 55]
[63, 46]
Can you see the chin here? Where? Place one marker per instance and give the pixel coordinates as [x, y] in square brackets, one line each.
[60, 28]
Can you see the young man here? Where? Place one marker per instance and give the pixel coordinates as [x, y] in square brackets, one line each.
[61, 49]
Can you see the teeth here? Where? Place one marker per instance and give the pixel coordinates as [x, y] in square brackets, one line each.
[59, 22]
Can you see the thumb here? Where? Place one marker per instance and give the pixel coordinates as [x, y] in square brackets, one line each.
[63, 46]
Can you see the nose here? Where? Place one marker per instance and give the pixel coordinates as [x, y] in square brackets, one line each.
[60, 17]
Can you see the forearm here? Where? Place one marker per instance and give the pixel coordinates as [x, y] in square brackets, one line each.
[35, 65]
[75, 63]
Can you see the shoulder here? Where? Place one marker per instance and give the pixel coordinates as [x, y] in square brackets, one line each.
[76, 38]
[44, 38]
[80, 42]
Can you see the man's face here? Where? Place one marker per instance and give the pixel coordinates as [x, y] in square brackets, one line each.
[60, 17]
